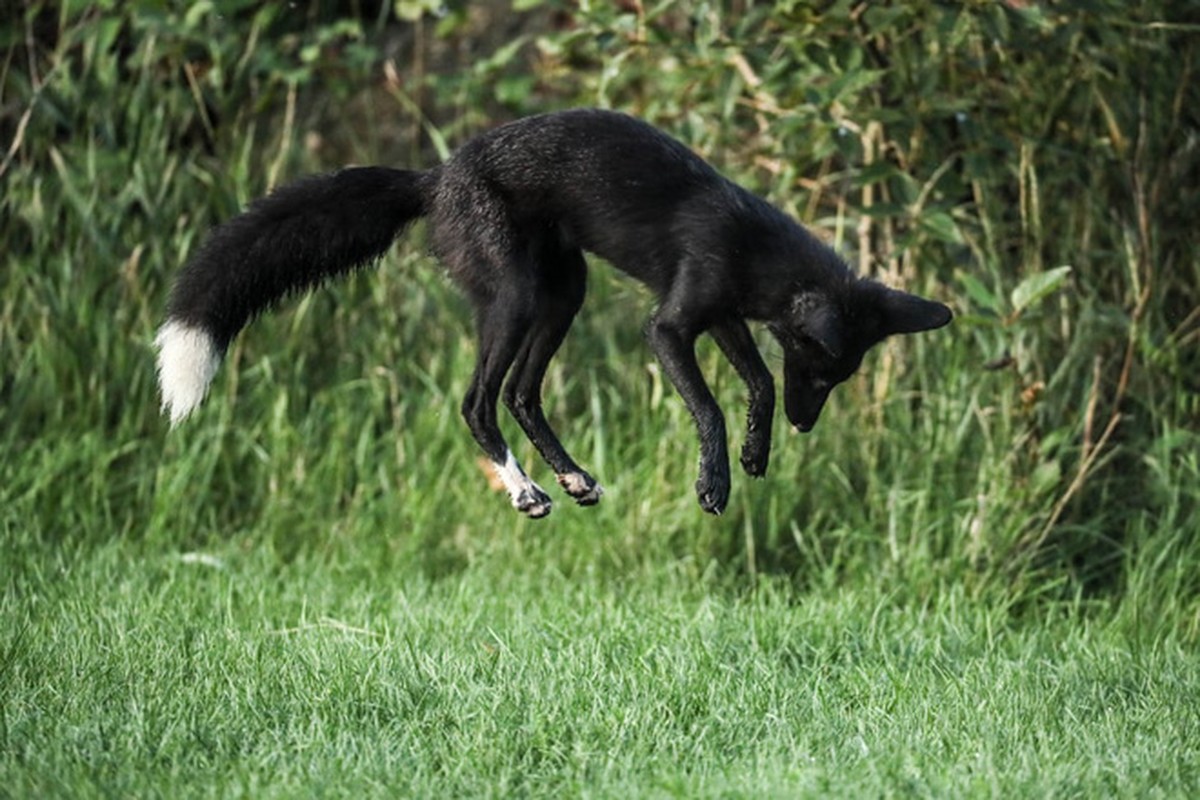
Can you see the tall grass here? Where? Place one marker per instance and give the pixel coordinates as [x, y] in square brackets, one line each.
[977, 576]
[1041, 445]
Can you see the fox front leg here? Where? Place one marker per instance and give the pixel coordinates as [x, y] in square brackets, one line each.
[674, 342]
[736, 342]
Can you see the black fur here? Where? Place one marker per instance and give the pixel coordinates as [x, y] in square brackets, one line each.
[290, 241]
[510, 215]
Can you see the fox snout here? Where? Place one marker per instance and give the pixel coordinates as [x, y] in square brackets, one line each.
[803, 403]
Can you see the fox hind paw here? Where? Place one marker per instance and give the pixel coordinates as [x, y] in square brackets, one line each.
[582, 487]
[532, 502]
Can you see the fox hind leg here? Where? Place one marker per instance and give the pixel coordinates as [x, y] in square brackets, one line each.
[561, 287]
[502, 318]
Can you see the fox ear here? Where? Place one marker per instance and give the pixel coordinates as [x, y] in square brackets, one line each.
[823, 324]
[906, 313]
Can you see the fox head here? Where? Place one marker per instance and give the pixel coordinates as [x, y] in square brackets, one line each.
[825, 335]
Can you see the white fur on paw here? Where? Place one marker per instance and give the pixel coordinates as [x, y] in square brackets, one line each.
[527, 497]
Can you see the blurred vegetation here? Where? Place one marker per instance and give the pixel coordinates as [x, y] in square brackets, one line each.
[1034, 164]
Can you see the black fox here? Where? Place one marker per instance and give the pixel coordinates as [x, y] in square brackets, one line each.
[510, 215]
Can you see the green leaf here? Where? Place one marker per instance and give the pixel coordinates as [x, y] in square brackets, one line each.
[195, 13]
[413, 10]
[1037, 287]
[878, 172]
[1046, 476]
[941, 226]
[980, 294]
[501, 57]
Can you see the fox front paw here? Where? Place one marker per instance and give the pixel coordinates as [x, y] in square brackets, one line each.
[755, 454]
[712, 490]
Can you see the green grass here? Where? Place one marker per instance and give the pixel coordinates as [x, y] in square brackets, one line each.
[962, 583]
[172, 675]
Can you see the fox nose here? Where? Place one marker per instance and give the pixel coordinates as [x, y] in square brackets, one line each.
[803, 420]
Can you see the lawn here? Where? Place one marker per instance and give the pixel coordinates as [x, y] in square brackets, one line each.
[228, 672]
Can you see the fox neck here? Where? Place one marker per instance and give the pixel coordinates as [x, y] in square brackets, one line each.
[787, 269]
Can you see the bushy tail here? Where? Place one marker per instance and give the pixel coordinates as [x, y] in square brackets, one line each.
[285, 243]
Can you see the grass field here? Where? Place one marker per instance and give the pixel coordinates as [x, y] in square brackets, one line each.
[230, 672]
[979, 575]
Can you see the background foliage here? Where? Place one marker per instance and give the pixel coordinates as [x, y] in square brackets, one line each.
[1036, 165]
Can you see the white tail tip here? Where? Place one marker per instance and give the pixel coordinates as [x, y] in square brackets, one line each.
[187, 361]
